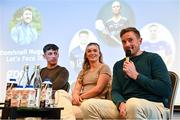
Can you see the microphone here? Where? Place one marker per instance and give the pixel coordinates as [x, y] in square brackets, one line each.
[128, 54]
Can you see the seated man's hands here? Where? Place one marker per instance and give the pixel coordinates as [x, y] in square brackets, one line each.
[122, 110]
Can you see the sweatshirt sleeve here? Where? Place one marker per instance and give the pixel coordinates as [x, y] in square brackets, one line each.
[61, 80]
[159, 83]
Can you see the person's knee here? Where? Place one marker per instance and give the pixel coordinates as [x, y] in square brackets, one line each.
[87, 104]
[133, 104]
[90, 109]
[60, 96]
[61, 93]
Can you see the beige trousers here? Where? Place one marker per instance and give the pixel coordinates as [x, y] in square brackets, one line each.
[145, 110]
[70, 112]
[99, 109]
[136, 109]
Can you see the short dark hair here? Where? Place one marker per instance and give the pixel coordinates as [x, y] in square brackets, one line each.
[130, 29]
[50, 47]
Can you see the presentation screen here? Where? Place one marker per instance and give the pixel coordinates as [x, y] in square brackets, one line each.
[28, 25]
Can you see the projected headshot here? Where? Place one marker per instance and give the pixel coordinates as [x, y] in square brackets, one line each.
[25, 25]
[77, 48]
[110, 28]
[158, 38]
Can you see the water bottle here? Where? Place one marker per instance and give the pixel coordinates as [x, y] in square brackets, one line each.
[46, 93]
[24, 79]
[16, 96]
[28, 97]
[10, 85]
[37, 84]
